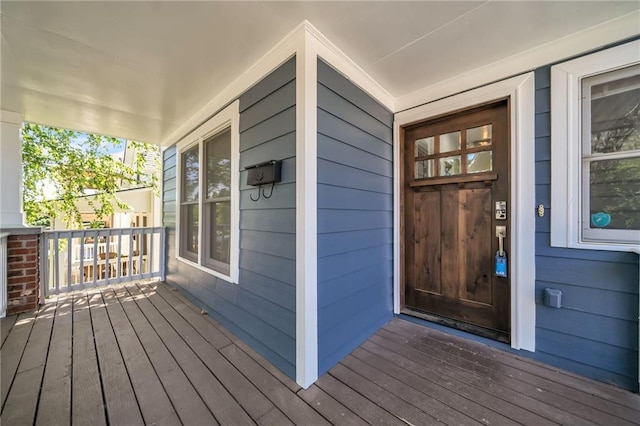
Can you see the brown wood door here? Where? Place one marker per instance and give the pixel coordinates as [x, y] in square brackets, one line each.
[455, 169]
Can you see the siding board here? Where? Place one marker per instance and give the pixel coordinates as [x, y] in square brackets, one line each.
[336, 105]
[336, 197]
[336, 128]
[339, 152]
[280, 124]
[284, 97]
[354, 216]
[336, 174]
[345, 242]
[260, 309]
[595, 333]
[278, 149]
[330, 78]
[284, 74]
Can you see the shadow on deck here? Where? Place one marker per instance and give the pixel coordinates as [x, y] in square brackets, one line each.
[142, 354]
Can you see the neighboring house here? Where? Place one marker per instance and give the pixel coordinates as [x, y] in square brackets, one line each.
[143, 204]
[478, 203]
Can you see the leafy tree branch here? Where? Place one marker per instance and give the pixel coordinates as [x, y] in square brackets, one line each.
[61, 165]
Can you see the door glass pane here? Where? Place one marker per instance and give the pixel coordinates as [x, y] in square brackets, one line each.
[190, 171]
[479, 136]
[218, 165]
[479, 162]
[450, 166]
[615, 193]
[425, 146]
[450, 142]
[424, 169]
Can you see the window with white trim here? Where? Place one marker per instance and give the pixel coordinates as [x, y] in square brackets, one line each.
[595, 156]
[208, 192]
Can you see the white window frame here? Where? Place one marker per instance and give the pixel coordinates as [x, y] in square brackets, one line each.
[566, 145]
[228, 118]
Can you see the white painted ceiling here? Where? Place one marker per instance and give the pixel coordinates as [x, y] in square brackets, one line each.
[140, 69]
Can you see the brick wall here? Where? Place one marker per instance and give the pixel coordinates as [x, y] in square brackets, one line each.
[22, 273]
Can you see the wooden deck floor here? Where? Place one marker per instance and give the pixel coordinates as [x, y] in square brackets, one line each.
[141, 354]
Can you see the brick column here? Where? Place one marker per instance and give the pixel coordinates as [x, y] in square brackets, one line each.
[22, 272]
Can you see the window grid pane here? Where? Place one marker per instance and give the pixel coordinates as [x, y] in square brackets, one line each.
[190, 175]
[611, 155]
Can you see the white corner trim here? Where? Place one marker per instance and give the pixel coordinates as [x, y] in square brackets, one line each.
[271, 60]
[339, 60]
[306, 213]
[600, 35]
[521, 91]
[566, 168]
[228, 117]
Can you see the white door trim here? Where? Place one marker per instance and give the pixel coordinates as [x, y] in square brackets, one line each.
[521, 91]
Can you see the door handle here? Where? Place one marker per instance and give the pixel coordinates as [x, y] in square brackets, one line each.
[501, 234]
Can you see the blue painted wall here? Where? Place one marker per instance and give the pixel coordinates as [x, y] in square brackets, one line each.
[595, 333]
[355, 214]
[261, 308]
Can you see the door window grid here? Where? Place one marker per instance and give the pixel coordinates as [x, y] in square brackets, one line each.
[440, 155]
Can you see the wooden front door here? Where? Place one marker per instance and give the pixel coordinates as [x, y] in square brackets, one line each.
[455, 170]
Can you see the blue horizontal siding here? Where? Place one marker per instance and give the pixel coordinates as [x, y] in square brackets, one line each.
[355, 216]
[595, 333]
[260, 309]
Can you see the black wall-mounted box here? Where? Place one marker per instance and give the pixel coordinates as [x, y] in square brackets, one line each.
[264, 173]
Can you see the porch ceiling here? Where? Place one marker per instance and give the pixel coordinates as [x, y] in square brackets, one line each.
[140, 69]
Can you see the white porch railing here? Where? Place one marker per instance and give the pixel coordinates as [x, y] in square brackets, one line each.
[76, 259]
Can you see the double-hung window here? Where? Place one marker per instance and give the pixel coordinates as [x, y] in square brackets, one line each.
[595, 113]
[209, 196]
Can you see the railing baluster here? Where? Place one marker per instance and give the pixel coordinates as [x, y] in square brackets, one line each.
[69, 260]
[130, 263]
[95, 257]
[82, 255]
[56, 264]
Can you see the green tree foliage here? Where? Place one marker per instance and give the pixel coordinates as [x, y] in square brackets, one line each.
[60, 165]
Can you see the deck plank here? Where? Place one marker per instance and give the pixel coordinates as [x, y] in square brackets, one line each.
[362, 406]
[436, 374]
[155, 405]
[188, 404]
[434, 389]
[243, 391]
[13, 349]
[273, 417]
[379, 395]
[199, 322]
[442, 412]
[21, 403]
[331, 409]
[6, 324]
[538, 388]
[478, 384]
[120, 399]
[298, 411]
[55, 400]
[225, 409]
[144, 354]
[605, 398]
[173, 296]
[88, 407]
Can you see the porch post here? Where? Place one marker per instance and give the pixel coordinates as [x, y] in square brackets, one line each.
[11, 214]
